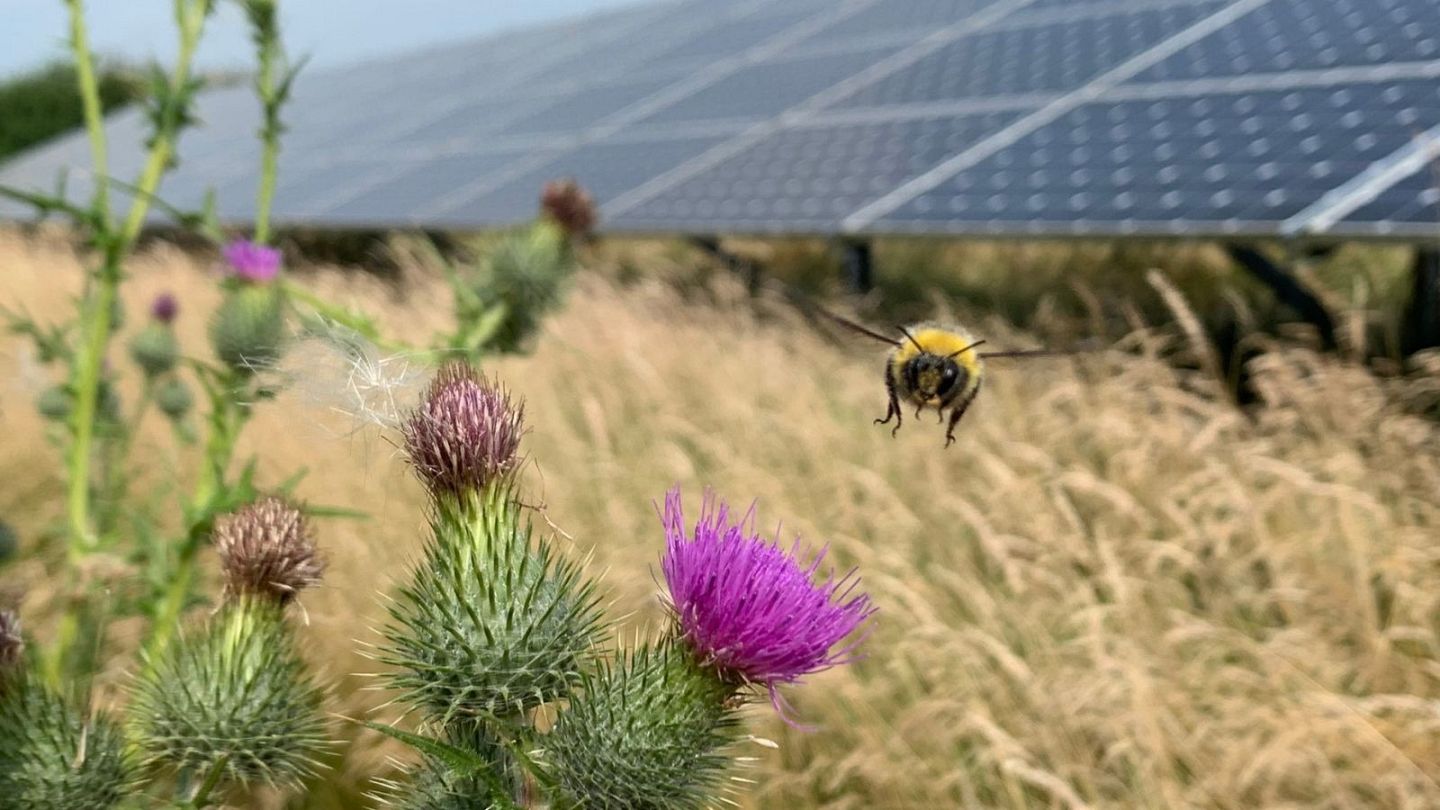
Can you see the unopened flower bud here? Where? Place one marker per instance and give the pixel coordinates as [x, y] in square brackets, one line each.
[465, 432]
[266, 549]
[569, 205]
[248, 330]
[164, 308]
[174, 398]
[154, 349]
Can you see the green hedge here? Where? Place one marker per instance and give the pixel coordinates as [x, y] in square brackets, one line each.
[43, 103]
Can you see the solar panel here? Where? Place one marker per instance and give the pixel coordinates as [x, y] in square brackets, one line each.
[809, 178]
[1094, 117]
[1224, 163]
[1029, 58]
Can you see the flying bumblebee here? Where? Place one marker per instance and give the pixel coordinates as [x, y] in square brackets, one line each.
[933, 366]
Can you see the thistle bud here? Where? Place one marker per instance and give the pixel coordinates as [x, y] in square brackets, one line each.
[248, 330]
[164, 308]
[155, 349]
[465, 432]
[266, 550]
[235, 691]
[173, 397]
[569, 205]
[54, 403]
[649, 731]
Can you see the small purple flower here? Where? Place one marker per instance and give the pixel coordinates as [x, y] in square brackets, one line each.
[465, 432]
[164, 308]
[251, 262]
[752, 610]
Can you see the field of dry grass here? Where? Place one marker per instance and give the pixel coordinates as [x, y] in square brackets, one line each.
[1115, 591]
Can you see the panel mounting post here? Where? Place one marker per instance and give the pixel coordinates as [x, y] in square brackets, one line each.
[749, 269]
[1289, 289]
[1421, 329]
[859, 269]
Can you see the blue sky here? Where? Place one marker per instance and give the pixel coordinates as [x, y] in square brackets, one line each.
[32, 32]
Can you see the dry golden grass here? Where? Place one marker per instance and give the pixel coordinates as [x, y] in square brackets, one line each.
[1114, 591]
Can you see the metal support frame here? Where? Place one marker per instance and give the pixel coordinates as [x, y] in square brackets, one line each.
[1289, 289]
[1421, 328]
[859, 266]
[749, 269]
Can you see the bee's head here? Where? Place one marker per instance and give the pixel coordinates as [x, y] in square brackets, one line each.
[934, 376]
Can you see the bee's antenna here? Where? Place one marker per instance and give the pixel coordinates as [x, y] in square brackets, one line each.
[906, 333]
[966, 349]
[851, 325]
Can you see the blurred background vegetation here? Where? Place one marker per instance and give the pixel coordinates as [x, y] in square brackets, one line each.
[41, 104]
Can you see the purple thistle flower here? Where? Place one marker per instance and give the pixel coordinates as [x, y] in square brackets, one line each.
[251, 262]
[465, 433]
[164, 308]
[752, 610]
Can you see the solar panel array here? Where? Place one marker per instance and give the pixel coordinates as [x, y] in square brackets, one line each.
[966, 117]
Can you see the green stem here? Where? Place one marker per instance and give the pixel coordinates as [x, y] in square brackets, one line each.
[225, 422]
[90, 102]
[192, 23]
[270, 144]
[85, 383]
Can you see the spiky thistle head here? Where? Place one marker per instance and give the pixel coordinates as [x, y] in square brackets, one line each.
[490, 623]
[248, 329]
[647, 731]
[234, 693]
[751, 610]
[465, 433]
[164, 307]
[266, 549]
[569, 205]
[250, 262]
[56, 754]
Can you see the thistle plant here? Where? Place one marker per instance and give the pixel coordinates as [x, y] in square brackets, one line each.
[232, 700]
[490, 626]
[56, 753]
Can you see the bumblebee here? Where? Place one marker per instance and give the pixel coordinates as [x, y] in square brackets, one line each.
[932, 366]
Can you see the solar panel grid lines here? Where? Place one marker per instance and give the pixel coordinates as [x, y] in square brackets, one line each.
[768, 47]
[932, 109]
[1421, 153]
[1275, 81]
[664, 97]
[1040, 55]
[877, 209]
[1287, 35]
[1408, 209]
[616, 208]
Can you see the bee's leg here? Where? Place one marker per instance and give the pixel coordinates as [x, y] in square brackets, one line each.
[958, 412]
[894, 406]
[917, 410]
